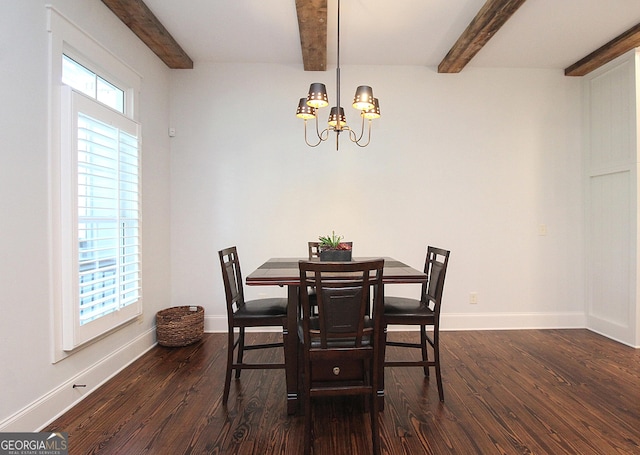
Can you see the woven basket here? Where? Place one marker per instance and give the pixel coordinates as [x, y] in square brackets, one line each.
[180, 325]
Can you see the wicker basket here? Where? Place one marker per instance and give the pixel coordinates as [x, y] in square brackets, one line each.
[180, 325]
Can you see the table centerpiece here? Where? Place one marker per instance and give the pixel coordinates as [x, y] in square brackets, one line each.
[332, 248]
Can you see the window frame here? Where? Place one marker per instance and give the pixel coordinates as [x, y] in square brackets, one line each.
[66, 38]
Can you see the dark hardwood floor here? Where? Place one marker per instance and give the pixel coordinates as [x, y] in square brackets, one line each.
[506, 392]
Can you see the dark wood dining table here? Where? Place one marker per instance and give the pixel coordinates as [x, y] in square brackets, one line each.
[285, 272]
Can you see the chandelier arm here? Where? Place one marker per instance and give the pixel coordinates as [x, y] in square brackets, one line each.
[305, 134]
[318, 128]
[355, 135]
[368, 136]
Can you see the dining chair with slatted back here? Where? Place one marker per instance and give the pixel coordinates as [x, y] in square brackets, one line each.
[266, 312]
[314, 253]
[423, 312]
[341, 348]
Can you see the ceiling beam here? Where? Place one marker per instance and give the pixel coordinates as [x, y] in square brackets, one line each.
[312, 23]
[493, 15]
[139, 18]
[614, 48]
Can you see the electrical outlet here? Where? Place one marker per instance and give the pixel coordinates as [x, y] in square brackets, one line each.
[473, 298]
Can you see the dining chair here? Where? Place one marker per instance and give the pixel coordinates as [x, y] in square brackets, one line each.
[266, 312]
[341, 348]
[314, 253]
[423, 312]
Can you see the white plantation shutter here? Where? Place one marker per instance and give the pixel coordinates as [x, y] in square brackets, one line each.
[105, 236]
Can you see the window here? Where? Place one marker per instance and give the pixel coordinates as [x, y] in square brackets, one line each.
[108, 218]
[96, 204]
[103, 155]
[86, 81]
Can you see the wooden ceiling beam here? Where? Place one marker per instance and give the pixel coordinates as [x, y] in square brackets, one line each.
[139, 18]
[491, 17]
[614, 48]
[312, 24]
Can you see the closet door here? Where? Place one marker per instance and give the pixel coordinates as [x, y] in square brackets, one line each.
[611, 196]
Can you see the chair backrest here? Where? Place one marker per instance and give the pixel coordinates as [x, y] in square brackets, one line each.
[314, 250]
[435, 267]
[232, 278]
[343, 291]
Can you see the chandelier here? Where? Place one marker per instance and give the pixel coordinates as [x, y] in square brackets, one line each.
[317, 98]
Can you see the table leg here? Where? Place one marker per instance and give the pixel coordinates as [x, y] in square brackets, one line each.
[291, 350]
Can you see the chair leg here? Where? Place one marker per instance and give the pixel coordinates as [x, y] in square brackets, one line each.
[366, 365]
[436, 356]
[425, 352]
[227, 377]
[307, 423]
[304, 395]
[375, 425]
[240, 351]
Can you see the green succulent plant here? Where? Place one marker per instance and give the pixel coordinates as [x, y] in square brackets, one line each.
[332, 241]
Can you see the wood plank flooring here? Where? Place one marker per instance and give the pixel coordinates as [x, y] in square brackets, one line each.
[506, 392]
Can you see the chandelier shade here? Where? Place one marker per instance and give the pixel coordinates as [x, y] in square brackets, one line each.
[372, 113]
[317, 98]
[364, 98]
[337, 115]
[305, 111]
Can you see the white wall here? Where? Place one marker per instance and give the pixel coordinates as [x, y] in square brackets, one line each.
[33, 388]
[473, 162]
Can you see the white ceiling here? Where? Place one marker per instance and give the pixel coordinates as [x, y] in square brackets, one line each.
[541, 34]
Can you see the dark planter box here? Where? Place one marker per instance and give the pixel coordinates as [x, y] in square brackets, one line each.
[336, 255]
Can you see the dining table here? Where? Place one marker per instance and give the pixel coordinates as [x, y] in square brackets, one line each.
[285, 272]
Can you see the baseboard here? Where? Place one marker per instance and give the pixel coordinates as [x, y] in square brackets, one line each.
[515, 321]
[50, 406]
[218, 324]
[449, 321]
[620, 340]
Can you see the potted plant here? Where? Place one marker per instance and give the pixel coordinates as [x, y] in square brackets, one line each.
[332, 248]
